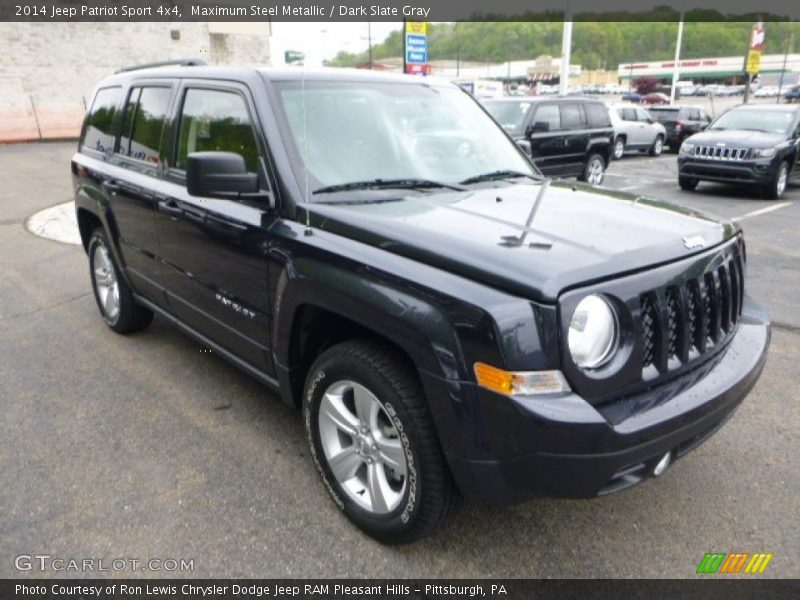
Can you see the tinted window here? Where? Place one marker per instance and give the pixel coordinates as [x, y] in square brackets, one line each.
[548, 113]
[510, 115]
[98, 133]
[144, 123]
[597, 115]
[628, 114]
[213, 120]
[693, 114]
[571, 116]
[664, 116]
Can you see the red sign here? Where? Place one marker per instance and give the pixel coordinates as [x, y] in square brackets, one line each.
[418, 69]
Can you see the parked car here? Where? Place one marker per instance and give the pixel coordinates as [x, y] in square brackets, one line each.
[445, 322]
[792, 94]
[768, 91]
[635, 129]
[656, 98]
[566, 137]
[680, 121]
[632, 97]
[751, 144]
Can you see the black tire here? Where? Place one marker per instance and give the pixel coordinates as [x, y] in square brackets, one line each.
[618, 149]
[688, 183]
[429, 493]
[777, 188]
[658, 146]
[130, 316]
[589, 169]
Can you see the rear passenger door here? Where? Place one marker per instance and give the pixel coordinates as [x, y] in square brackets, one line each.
[138, 162]
[215, 250]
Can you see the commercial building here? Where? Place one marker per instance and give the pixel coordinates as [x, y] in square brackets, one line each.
[48, 70]
[728, 69]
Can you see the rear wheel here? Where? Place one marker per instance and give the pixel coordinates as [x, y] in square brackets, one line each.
[373, 442]
[114, 298]
[619, 147]
[687, 183]
[658, 146]
[777, 187]
[594, 170]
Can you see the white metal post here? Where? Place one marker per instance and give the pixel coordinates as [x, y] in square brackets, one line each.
[677, 60]
[566, 48]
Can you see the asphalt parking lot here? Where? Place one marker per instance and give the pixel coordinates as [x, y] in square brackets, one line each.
[146, 447]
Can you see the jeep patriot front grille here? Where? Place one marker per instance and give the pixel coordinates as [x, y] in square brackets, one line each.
[681, 322]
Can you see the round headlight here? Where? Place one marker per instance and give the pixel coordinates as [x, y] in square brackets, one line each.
[593, 332]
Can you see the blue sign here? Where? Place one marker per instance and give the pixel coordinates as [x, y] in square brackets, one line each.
[416, 48]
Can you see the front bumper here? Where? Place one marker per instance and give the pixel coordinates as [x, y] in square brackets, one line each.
[758, 172]
[565, 447]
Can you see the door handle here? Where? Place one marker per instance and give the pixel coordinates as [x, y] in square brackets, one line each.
[170, 207]
[110, 187]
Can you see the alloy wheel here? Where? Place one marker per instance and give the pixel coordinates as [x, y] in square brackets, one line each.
[595, 172]
[105, 282]
[362, 447]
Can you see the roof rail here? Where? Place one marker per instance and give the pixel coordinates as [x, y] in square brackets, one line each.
[182, 62]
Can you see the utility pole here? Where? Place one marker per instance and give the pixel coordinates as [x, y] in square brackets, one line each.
[789, 44]
[458, 51]
[675, 68]
[369, 42]
[566, 49]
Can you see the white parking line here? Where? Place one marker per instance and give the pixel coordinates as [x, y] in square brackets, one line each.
[761, 211]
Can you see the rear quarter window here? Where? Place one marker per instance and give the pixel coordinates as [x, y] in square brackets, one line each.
[99, 129]
[597, 115]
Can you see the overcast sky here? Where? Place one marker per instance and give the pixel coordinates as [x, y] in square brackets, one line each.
[325, 40]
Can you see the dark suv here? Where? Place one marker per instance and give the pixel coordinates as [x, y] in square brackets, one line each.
[754, 145]
[680, 121]
[376, 250]
[566, 137]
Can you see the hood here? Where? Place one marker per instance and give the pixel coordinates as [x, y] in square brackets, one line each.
[738, 138]
[579, 235]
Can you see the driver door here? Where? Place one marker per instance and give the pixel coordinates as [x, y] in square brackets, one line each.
[214, 251]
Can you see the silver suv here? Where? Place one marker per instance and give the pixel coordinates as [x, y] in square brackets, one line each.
[635, 129]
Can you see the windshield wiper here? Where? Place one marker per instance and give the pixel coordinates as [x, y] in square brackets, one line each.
[378, 184]
[502, 174]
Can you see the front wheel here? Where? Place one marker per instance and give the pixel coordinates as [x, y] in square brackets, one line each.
[373, 442]
[776, 188]
[594, 170]
[687, 183]
[658, 146]
[112, 293]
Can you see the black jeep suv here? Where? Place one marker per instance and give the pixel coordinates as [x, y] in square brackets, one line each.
[754, 145]
[565, 137]
[680, 121]
[379, 252]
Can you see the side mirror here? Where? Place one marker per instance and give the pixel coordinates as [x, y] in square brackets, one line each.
[538, 127]
[218, 174]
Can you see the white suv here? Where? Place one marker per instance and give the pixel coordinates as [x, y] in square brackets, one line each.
[635, 129]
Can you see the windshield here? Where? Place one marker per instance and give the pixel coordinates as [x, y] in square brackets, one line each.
[377, 131]
[768, 121]
[662, 116]
[510, 115]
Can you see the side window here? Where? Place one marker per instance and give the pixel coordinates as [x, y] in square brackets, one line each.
[143, 124]
[215, 120]
[628, 114]
[98, 132]
[643, 115]
[572, 116]
[694, 114]
[548, 114]
[597, 115]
